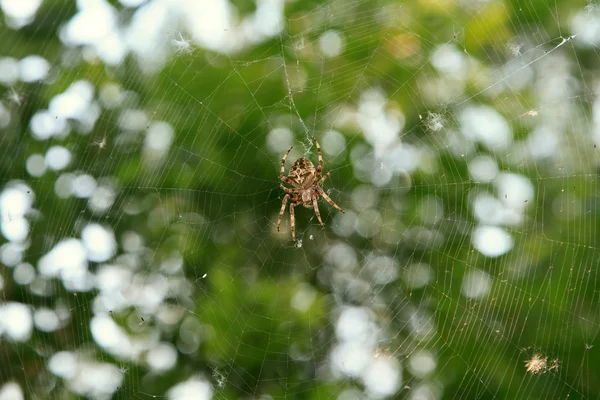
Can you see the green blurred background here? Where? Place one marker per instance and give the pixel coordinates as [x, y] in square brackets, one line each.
[461, 137]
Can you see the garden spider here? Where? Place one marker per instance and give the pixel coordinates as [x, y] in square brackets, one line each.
[307, 187]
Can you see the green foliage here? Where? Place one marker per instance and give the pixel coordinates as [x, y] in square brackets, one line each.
[214, 203]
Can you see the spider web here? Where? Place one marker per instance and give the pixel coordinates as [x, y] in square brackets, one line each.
[140, 196]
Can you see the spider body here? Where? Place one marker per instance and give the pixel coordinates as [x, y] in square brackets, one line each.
[302, 173]
[307, 187]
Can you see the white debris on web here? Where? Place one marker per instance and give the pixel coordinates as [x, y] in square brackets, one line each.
[182, 45]
[15, 97]
[514, 49]
[299, 243]
[435, 122]
[299, 44]
[100, 144]
[539, 364]
[213, 25]
[311, 237]
[532, 113]
[219, 378]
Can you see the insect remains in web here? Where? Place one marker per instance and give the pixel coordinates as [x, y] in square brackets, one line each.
[307, 188]
[514, 49]
[182, 45]
[15, 97]
[100, 144]
[435, 122]
[219, 378]
[539, 364]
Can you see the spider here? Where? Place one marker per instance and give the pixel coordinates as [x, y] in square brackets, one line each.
[307, 187]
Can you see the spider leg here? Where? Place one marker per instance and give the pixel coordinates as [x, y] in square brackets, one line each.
[324, 177]
[293, 221]
[290, 190]
[332, 202]
[282, 171]
[320, 167]
[283, 204]
[318, 213]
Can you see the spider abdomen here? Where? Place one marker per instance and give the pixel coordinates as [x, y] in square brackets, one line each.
[302, 172]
